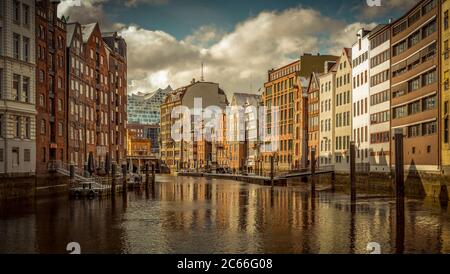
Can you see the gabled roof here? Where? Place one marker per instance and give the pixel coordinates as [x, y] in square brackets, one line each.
[348, 51]
[314, 78]
[87, 31]
[70, 28]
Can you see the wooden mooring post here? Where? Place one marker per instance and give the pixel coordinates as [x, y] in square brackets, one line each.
[113, 180]
[399, 191]
[124, 181]
[153, 174]
[147, 179]
[313, 171]
[352, 173]
[271, 170]
[333, 181]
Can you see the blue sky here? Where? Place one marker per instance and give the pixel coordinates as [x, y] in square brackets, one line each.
[238, 41]
[181, 17]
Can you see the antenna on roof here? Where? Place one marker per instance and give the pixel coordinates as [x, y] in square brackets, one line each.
[202, 79]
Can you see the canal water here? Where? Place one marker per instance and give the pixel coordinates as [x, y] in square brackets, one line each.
[196, 215]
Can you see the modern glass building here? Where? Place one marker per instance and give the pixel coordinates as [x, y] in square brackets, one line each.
[144, 108]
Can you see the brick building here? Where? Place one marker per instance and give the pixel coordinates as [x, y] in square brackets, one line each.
[50, 86]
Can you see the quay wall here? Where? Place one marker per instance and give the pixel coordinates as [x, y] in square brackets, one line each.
[16, 187]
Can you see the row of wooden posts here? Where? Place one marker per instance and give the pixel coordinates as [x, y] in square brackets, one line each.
[399, 185]
[124, 176]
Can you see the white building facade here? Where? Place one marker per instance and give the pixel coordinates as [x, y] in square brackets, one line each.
[327, 112]
[380, 99]
[361, 98]
[17, 88]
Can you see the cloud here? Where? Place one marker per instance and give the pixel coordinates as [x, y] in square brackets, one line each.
[205, 36]
[132, 3]
[238, 60]
[87, 11]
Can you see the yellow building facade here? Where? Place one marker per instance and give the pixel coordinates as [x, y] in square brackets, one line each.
[445, 95]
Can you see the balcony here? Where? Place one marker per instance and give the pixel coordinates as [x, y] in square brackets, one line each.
[412, 71]
[410, 96]
[427, 115]
[409, 30]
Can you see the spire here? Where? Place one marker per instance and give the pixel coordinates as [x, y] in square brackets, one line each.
[202, 79]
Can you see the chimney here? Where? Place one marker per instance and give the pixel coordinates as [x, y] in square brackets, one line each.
[328, 65]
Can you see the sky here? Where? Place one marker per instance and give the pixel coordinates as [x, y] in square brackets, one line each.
[237, 40]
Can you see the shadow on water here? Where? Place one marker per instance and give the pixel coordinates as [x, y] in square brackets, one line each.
[414, 184]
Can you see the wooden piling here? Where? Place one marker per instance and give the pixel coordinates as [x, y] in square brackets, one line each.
[399, 192]
[124, 182]
[333, 181]
[113, 180]
[147, 179]
[313, 171]
[271, 170]
[153, 174]
[352, 172]
[72, 172]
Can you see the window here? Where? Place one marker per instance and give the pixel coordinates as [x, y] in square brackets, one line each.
[414, 107]
[429, 78]
[15, 157]
[26, 14]
[16, 45]
[26, 49]
[16, 84]
[26, 155]
[44, 155]
[429, 103]
[400, 112]
[60, 129]
[429, 29]
[26, 89]
[446, 130]
[414, 84]
[16, 11]
[43, 127]
[41, 76]
[1, 125]
[446, 50]
[414, 131]
[446, 20]
[27, 128]
[414, 39]
[399, 28]
[1, 82]
[429, 128]
[429, 6]
[17, 127]
[1, 152]
[41, 100]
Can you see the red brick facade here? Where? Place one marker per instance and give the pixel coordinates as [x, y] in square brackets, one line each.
[81, 93]
[50, 86]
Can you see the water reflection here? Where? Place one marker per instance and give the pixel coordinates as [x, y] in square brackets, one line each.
[192, 215]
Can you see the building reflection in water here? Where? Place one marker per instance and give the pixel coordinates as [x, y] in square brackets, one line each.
[195, 215]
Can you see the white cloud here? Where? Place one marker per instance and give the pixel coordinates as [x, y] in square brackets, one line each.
[237, 60]
[131, 3]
